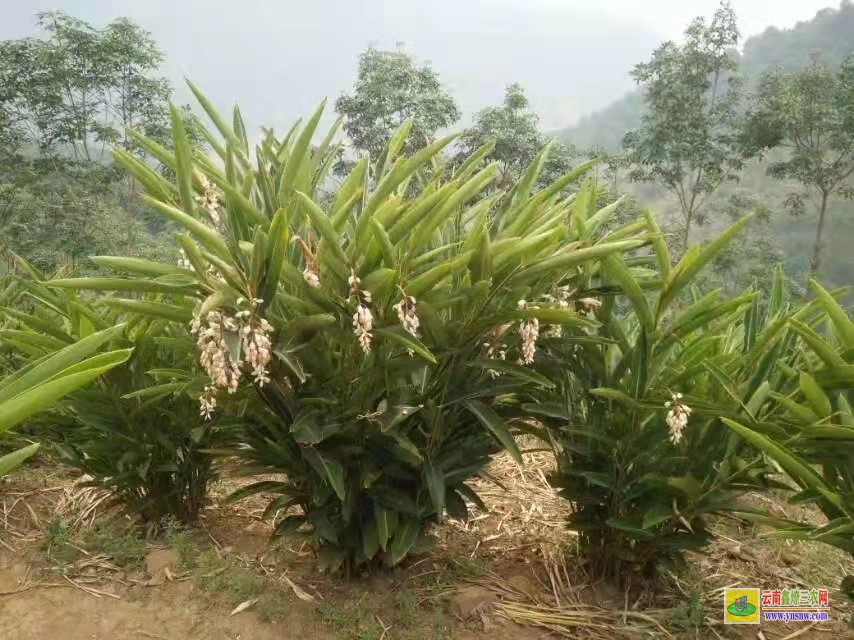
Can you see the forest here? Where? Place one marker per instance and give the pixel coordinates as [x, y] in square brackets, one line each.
[378, 376]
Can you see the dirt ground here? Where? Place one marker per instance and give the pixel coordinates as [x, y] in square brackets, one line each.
[72, 568]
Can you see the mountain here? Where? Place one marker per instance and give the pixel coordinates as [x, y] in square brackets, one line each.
[830, 33]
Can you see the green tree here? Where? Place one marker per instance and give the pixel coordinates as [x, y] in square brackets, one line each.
[74, 91]
[688, 140]
[515, 129]
[391, 88]
[64, 99]
[809, 113]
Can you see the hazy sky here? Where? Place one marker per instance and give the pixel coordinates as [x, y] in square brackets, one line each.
[278, 58]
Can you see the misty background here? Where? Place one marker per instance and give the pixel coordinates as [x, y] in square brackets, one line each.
[278, 59]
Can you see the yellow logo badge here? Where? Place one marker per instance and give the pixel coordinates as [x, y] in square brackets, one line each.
[741, 606]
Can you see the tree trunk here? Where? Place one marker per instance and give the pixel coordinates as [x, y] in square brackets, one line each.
[686, 233]
[815, 261]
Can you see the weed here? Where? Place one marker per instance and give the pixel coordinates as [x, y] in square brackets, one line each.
[468, 568]
[57, 543]
[356, 622]
[117, 540]
[181, 542]
[407, 606]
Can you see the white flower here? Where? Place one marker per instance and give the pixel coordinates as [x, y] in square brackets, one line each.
[363, 322]
[407, 315]
[215, 356]
[590, 304]
[311, 276]
[529, 331]
[553, 331]
[207, 403]
[677, 417]
[209, 200]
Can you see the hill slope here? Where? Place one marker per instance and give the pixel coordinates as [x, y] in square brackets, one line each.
[830, 33]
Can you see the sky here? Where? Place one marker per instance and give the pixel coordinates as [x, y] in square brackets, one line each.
[279, 58]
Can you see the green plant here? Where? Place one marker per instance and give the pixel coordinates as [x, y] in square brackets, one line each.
[636, 420]
[815, 441]
[370, 331]
[137, 430]
[120, 541]
[46, 379]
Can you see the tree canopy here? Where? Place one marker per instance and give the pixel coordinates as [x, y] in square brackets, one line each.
[392, 87]
[809, 113]
[514, 128]
[688, 139]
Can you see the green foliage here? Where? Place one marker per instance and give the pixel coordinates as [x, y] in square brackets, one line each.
[687, 141]
[391, 89]
[44, 381]
[78, 87]
[809, 113]
[513, 129]
[642, 483]
[64, 100]
[815, 445]
[137, 430]
[368, 328]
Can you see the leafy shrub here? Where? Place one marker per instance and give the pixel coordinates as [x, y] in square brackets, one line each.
[137, 430]
[370, 331]
[636, 419]
[815, 445]
[46, 379]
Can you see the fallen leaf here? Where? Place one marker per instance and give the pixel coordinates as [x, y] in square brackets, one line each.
[243, 606]
[299, 593]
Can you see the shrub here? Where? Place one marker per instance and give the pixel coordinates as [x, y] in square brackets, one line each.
[370, 330]
[137, 430]
[636, 419]
[815, 445]
[46, 379]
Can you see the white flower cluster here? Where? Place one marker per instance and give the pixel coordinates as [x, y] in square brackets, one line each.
[529, 331]
[497, 351]
[677, 417]
[407, 315]
[209, 200]
[256, 345]
[215, 357]
[363, 320]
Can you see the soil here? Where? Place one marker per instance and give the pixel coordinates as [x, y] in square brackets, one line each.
[236, 586]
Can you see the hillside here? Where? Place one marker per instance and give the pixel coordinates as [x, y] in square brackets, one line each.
[830, 33]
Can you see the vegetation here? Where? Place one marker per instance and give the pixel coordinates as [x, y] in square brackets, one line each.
[391, 89]
[106, 429]
[513, 128]
[45, 380]
[65, 100]
[367, 329]
[810, 113]
[369, 341]
[687, 141]
[816, 431]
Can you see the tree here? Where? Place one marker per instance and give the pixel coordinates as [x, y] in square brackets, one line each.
[64, 99]
[390, 89]
[73, 92]
[809, 113]
[514, 128]
[688, 140]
